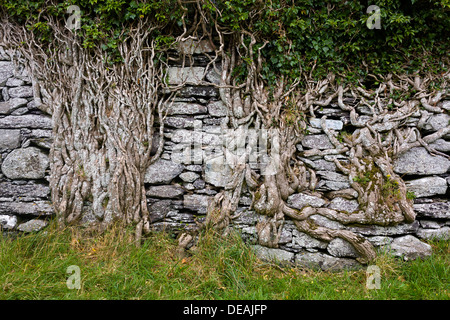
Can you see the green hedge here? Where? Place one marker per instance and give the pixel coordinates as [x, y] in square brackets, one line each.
[414, 34]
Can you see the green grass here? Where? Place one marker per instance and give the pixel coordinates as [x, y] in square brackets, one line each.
[34, 267]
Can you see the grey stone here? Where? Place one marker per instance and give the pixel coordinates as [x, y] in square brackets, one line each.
[441, 145]
[189, 176]
[445, 105]
[194, 167]
[285, 237]
[27, 163]
[341, 248]
[435, 122]
[325, 262]
[168, 191]
[7, 222]
[9, 106]
[330, 124]
[320, 165]
[32, 225]
[333, 176]
[5, 94]
[342, 204]
[304, 240]
[199, 184]
[380, 240]
[437, 210]
[178, 108]
[300, 200]
[188, 75]
[213, 76]
[430, 224]
[273, 254]
[181, 122]
[159, 210]
[9, 139]
[196, 138]
[19, 111]
[217, 172]
[418, 161]
[217, 109]
[410, 248]
[36, 208]
[6, 71]
[30, 190]
[428, 234]
[21, 92]
[14, 82]
[374, 230]
[196, 202]
[199, 91]
[246, 217]
[428, 186]
[191, 46]
[162, 171]
[32, 121]
[327, 223]
[317, 141]
[332, 185]
[189, 186]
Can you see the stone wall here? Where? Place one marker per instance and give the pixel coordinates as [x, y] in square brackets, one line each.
[192, 169]
[25, 141]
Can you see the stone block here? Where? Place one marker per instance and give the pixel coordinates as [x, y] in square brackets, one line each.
[26, 163]
[418, 161]
[162, 171]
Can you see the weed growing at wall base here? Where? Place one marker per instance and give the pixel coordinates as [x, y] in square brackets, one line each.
[34, 266]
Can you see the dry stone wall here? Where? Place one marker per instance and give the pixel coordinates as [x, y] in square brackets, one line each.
[25, 141]
[193, 169]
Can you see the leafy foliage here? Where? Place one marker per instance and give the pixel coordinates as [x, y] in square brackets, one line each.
[316, 37]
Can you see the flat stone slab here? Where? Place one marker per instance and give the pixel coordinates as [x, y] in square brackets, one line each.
[162, 172]
[429, 234]
[168, 191]
[300, 200]
[26, 163]
[33, 190]
[304, 240]
[187, 75]
[6, 107]
[374, 230]
[31, 121]
[330, 124]
[32, 225]
[179, 108]
[35, 208]
[418, 161]
[317, 141]
[437, 210]
[428, 186]
[410, 248]
[273, 254]
[325, 262]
